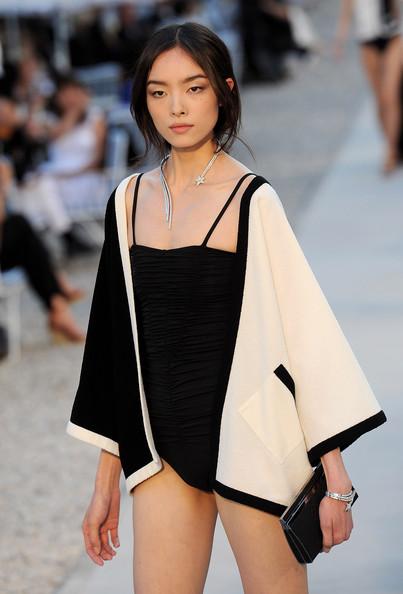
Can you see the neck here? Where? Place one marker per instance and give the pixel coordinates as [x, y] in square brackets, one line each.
[184, 165]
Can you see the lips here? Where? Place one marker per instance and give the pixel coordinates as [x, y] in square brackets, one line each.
[180, 126]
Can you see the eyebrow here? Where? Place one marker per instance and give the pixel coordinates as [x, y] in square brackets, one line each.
[185, 80]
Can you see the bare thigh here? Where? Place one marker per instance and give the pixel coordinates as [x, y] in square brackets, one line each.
[392, 69]
[173, 527]
[371, 60]
[265, 561]
[383, 70]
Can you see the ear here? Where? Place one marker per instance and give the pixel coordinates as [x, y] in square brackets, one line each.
[230, 83]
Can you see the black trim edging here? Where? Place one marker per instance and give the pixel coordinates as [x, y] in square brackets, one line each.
[247, 499]
[284, 375]
[345, 438]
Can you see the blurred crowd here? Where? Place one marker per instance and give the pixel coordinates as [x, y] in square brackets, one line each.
[64, 92]
[66, 134]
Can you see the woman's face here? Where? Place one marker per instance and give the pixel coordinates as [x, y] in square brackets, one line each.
[72, 97]
[179, 92]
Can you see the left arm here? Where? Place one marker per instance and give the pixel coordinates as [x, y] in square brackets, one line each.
[335, 402]
[336, 523]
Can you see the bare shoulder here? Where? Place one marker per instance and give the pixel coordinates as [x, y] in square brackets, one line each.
[235, 168]
[148, 180]
[234, 175]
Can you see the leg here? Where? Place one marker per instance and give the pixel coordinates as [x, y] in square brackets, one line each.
[22, 247]
[390, 98]
[265, 561]
[173, 535]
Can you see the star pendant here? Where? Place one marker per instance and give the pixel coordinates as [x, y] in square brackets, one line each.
[200, 179]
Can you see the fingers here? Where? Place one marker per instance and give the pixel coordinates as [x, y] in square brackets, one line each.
[97, 543]
[106, 547]
[336, 526]
[115, 510]
[326, 525]
[101, 523]
[327, 531]
[115, 537]
[92, 543]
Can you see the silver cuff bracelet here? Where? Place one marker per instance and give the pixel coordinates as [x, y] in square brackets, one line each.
[348, 497]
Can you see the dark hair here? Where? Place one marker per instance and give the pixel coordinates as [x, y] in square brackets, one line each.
[70, 80]
[64, 81]
[212, 55]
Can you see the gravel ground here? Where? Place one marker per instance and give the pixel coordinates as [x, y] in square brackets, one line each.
[295, 129]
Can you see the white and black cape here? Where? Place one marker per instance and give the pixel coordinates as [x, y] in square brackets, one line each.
[290, 387]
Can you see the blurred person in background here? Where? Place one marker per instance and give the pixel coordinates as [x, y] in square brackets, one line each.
[378, 30]
[257, 65]
[34, 194]
[180, 11]
[76, 148]
[88, 43]
[20, 246]
[28, 80]
[268, 30]
[131, 33]
[33, 83]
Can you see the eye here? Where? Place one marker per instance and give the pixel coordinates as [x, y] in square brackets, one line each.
[153, 93]
[196, 87]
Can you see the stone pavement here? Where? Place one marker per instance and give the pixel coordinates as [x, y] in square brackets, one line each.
[352, 236]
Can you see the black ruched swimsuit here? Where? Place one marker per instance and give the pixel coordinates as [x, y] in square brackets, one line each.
[181, 297]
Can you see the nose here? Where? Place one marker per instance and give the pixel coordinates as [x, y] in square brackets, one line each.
[177, 105]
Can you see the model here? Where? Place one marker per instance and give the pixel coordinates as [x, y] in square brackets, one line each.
[215, 373]
[378, 30]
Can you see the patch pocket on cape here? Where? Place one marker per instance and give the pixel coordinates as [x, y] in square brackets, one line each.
[272, 415]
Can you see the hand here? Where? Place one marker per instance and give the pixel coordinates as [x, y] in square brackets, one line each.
[336, 524]
[100, 521]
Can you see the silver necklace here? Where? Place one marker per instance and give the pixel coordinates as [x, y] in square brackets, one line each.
[200, 179]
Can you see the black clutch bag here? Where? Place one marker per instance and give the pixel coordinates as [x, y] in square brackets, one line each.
[300, 521]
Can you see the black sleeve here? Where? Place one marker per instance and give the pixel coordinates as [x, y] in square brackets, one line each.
[93, 416]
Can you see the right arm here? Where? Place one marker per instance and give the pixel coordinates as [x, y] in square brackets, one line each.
[102, 516]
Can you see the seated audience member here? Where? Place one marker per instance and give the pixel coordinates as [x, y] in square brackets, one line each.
[20, 246]
[76, 147]
[33, 193]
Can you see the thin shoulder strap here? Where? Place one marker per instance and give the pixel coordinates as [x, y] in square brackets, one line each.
[136, 191]
[213, 226]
